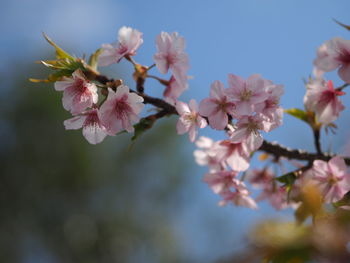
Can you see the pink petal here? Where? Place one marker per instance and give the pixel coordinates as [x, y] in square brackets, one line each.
[181, 128]
[344, 72]
[207, 107]
[93, 133]
[218, 120]
[182, 108]
[75, 123]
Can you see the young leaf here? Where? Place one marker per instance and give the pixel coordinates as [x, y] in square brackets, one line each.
[287, 179]
[298, 113]
[60, 53]
[93, 60]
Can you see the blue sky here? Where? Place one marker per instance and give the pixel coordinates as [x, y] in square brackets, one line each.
[275, 38]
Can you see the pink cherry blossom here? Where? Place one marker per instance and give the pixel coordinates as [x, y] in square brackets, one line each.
[259, 178]
[174, 89]
[335, 53]
[234, 154]
[93, 130]
[240, 197]
[332, 178]
[207, 155]
[217, 106]
[270, 109]
[247, 131]
[276, 195]
[171, 55]
[322, 98]
[246, 93]
[120, 110]
[220, 181]
[129, 40]
[78, 92]
[189, 119]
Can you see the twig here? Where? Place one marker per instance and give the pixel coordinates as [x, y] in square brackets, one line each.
[271, 148]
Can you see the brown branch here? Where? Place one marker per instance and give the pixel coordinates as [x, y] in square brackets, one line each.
[280, 151]
[317, 135]
[274, 149]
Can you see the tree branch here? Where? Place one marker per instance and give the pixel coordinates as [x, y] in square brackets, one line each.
[274, 149]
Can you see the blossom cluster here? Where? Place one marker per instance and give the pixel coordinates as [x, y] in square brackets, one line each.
[243, 110]
[321, 96]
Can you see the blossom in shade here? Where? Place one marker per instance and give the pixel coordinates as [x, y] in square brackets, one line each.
[121, 109]
[239, 197]
[171, 55]
[234, 154]
[246, 93]
[217, 106]
[332, 178]
[259, 177]
[276, 195]
[129, 40]
[207, 154]
[189, 119]
[333, 54]
[323, 99]
[174, 89]
[221, 181]
[78, 92]
[93, 130]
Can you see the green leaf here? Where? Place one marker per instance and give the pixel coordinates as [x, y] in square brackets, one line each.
[57, 75]
[93, 60]
[298, 113]
[287, 179]
[345, 201]
[60, 53]
[341, 24]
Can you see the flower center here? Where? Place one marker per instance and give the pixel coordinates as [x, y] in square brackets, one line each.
[246, 95]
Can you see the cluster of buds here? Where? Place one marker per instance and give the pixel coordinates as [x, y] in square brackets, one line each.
[243, 110]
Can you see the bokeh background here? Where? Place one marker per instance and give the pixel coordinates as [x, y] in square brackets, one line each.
[63, 200]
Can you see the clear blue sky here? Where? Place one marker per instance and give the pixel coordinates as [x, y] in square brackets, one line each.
[275, 38]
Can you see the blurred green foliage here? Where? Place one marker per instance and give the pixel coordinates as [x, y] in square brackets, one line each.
[63, 200]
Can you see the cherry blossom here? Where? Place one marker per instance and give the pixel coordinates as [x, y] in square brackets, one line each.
[171, 55]
[174, 89]
[322, 98]
[247, 131]
[240, 197]
[207, 154]
[120, 110]
[276, 195]
[246, 93]
[93, 130]
[259, 177]
[234, 154]
[217, 106]
[335, 53]
[332, 178]
[270, 108]
[221, 181]
[129, 40]
[78, 92]
[189, 119]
